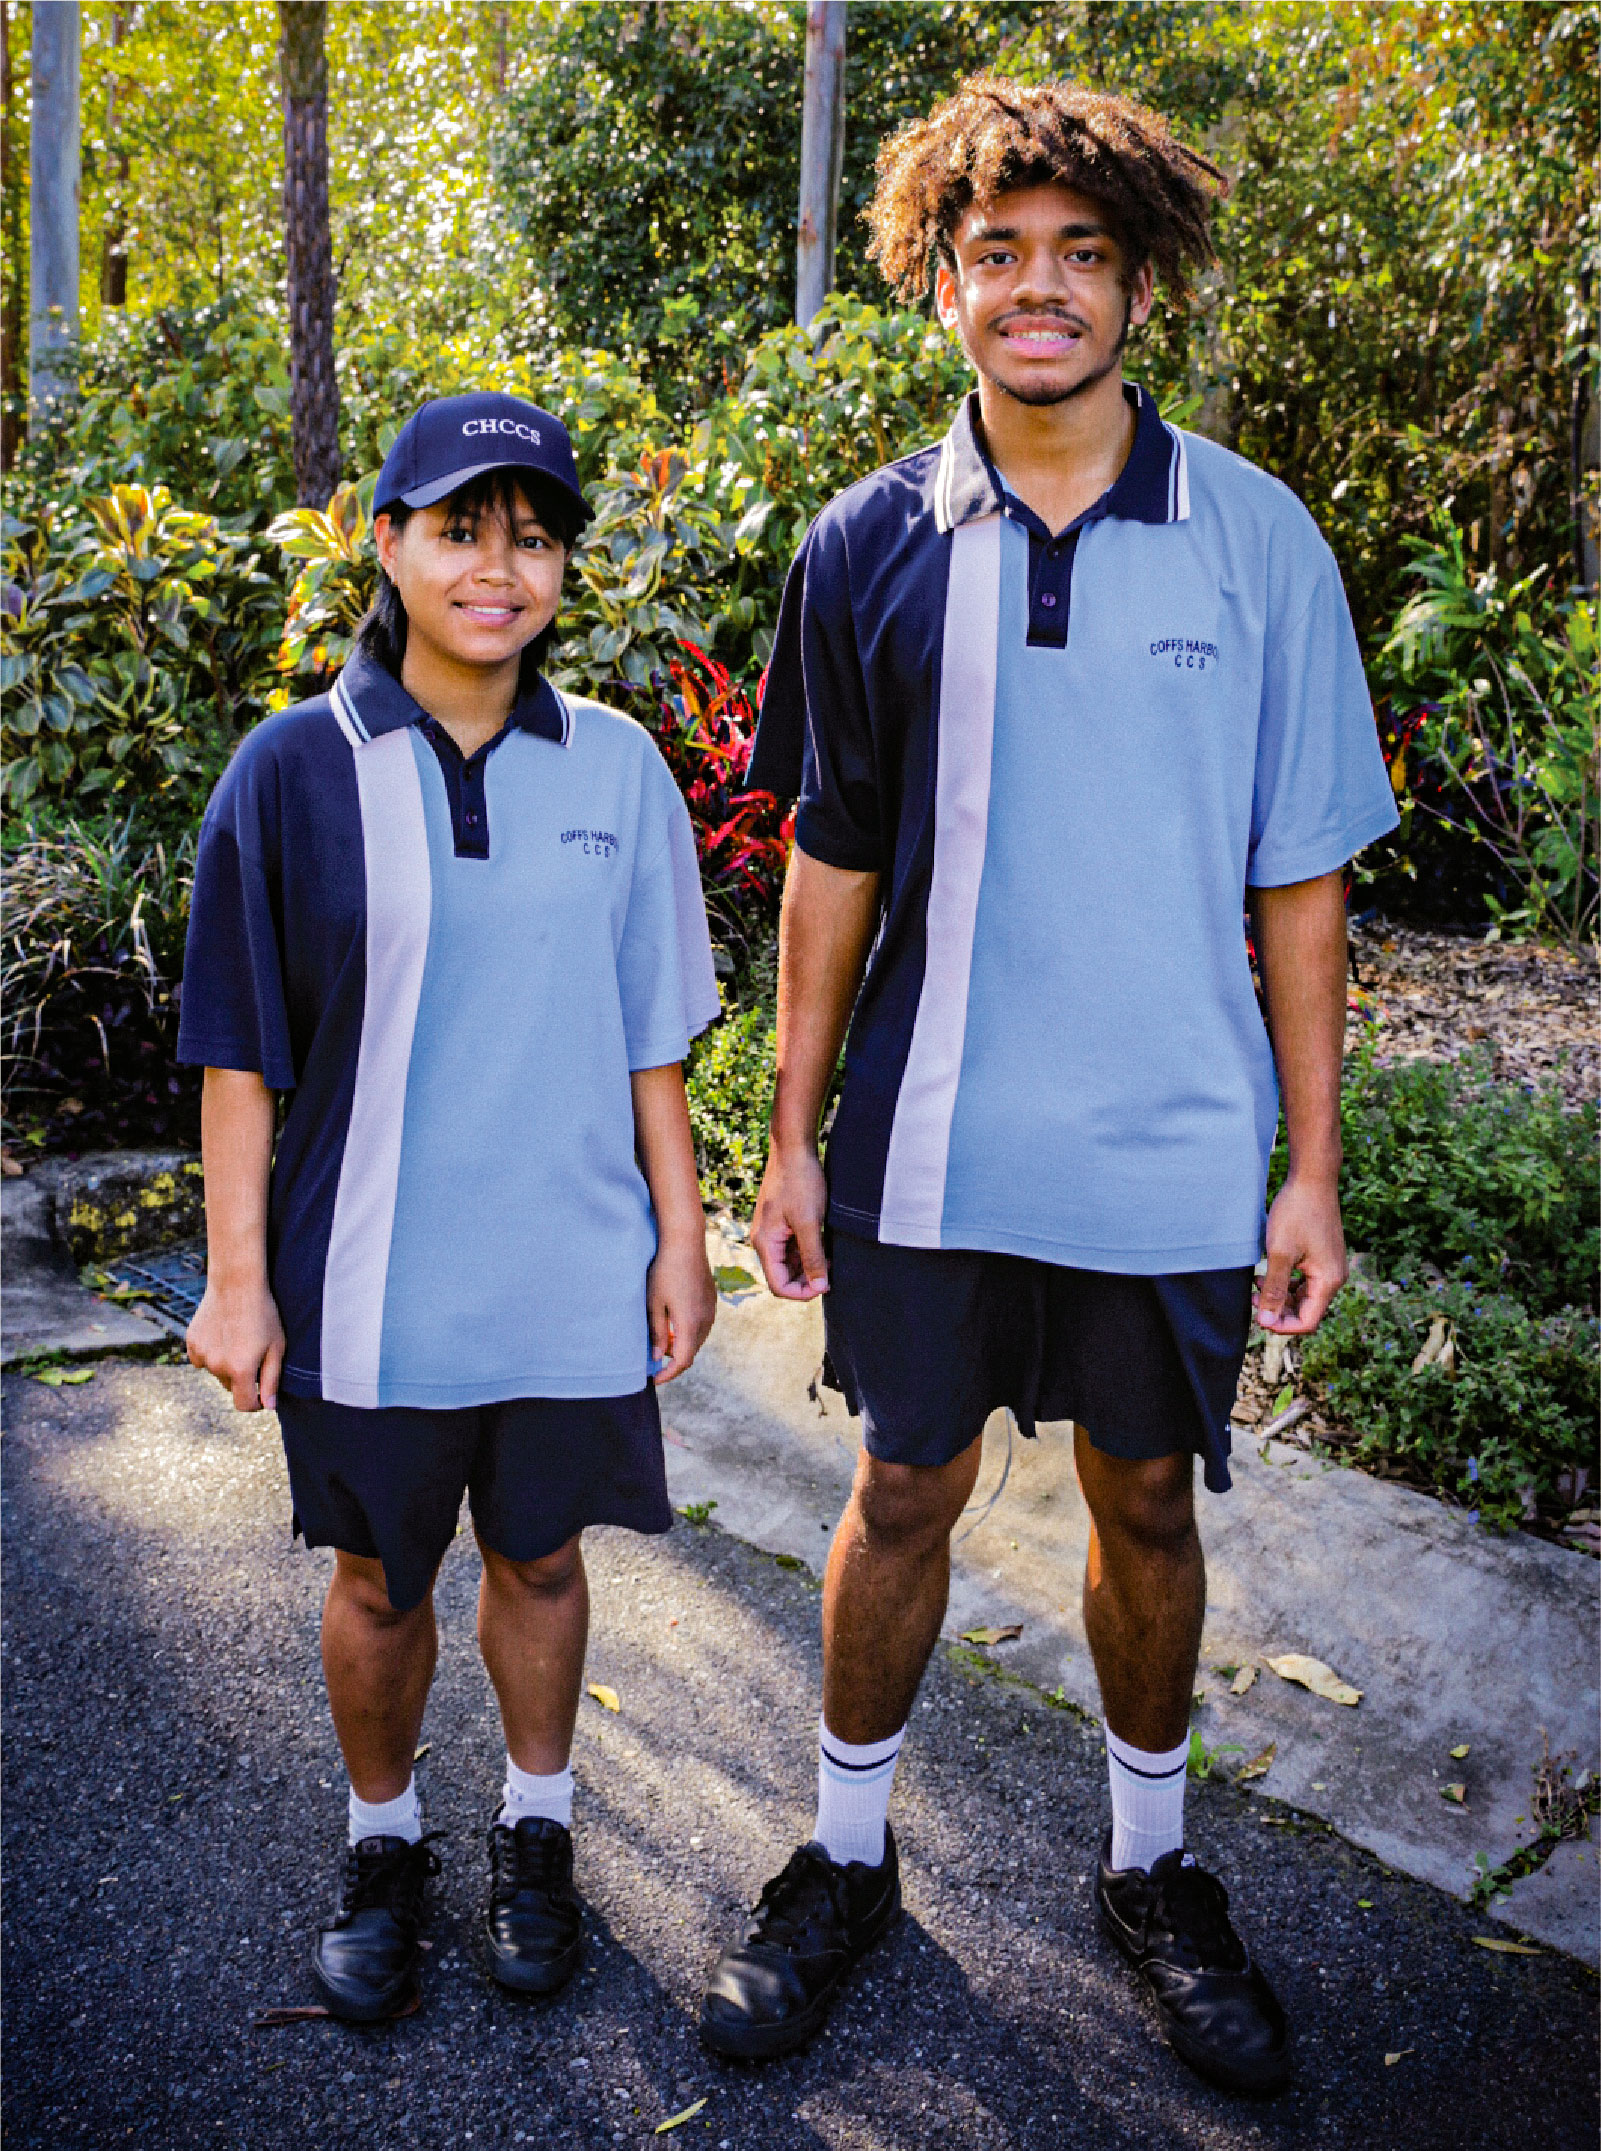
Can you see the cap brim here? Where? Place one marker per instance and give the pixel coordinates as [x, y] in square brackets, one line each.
[438, 489]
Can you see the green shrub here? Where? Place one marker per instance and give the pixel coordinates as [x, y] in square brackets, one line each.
[1513, 1407]
[1488, 1182]
[96, 912]
[730, 1084]
[136, 645]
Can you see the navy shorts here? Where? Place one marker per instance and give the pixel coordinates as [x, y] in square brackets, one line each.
[926, 1342]
[387, 1484]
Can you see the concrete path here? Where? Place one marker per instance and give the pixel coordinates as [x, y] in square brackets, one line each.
[43, 1307]
[174, 1804]
[1455, 1638]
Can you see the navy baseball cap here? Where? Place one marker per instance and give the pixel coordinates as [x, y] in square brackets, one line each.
[455, 438]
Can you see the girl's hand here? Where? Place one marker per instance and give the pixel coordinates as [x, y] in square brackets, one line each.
[681, 1301]
[237, 1336]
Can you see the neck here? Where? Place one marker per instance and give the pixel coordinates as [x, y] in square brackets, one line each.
[472, 702]
[1059, 458]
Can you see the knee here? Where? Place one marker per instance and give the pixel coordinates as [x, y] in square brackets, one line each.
[908, 1509]
[549, 1577]
[1148, 1508]
[361, 1585]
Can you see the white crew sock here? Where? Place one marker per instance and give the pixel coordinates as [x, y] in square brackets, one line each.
[853, 1786]
[400, 1817]
[1147, 1801]
[526, 1794]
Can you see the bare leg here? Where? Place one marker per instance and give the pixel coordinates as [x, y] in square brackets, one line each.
[884, 1593]
[533, 1625]
[1144, 1592]
[379, 1665]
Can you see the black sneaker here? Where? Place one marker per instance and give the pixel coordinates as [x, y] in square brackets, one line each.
[533, 1926]
[366, 1958]
[771, 1992]
[1218, 2012]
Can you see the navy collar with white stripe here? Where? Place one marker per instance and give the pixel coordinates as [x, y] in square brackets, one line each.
[372, 701]
[1154, 486]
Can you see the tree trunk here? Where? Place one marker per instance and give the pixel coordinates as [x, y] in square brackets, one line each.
[11, 295]
[822, 155]
[53, 151]
[313, 386]
[113, 240]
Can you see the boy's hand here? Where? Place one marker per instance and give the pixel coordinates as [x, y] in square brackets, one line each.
[681, 1301]
[787, 1229]
[237, 1336]
[1305, 1236]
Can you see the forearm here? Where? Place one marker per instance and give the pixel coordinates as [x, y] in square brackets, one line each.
[1301, 952]
[238, 1116]
[667, 1153]
[829, 919]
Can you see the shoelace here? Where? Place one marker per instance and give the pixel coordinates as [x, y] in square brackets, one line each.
[526, 1862]
[1194, 1908]
[790, 1903]
[394, 1880]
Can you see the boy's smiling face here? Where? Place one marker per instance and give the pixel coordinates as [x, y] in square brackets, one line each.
[477, 585]
[1040, 293]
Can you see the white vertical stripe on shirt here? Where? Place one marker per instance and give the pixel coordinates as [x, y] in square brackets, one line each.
[920, 1135]
[399, 904]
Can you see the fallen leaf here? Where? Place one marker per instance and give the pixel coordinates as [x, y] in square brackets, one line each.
[422, 1751]
[607, 1698]
[1244, 1679]
[1390, 2060]
[991, 1636]
[1440, 1348]
[70, 1377]
[1507, 1949]
[1259, 1765]
[1364, 1904]
[734, 1277]
[676, 2121]
[1456, 1794]
[9, 1166]
[1458, 1753]
[1312, 1673]
[1283, 1401]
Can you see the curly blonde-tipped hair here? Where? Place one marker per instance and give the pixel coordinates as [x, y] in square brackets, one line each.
[992, 136]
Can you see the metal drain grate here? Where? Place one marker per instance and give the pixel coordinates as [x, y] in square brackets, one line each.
[168, 1286]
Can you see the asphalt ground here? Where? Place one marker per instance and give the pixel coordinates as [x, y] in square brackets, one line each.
[174, 1806]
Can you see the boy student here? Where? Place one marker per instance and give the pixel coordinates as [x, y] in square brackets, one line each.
[457, 917]
[1056, 696]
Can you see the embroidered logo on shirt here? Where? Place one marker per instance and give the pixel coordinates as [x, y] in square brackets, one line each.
[1186, 653]
[597, 843]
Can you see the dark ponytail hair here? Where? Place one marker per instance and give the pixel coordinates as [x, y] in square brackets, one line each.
[382, 632]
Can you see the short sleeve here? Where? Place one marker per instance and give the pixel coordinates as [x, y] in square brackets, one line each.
[1321, 788]
[815, 740]
[664, 961]
[233, 1011]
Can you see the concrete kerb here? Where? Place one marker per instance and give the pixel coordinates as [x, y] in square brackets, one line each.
[1456, 1638]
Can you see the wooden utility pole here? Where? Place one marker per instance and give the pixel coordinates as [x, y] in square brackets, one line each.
[313, 385]
[822, 155]
[53, 152]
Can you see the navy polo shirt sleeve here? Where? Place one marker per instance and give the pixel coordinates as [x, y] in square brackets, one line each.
[816, 702]
[1321, 788]
[665, 978]
[233, 1011]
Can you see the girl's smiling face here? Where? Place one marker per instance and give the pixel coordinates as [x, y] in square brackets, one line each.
[479, 579]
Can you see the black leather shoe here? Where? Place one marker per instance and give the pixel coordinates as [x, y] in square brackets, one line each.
[771, 1992]
[366, 1958]
[1218, 2012]
[534, 1927]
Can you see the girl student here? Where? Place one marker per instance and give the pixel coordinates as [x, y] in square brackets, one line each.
[454, 918]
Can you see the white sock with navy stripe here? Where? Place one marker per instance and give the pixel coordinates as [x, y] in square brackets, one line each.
[853, 1787]
[1147, 1802]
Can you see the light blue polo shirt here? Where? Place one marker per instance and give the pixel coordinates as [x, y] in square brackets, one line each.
[453, 967]
[1066, 793]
